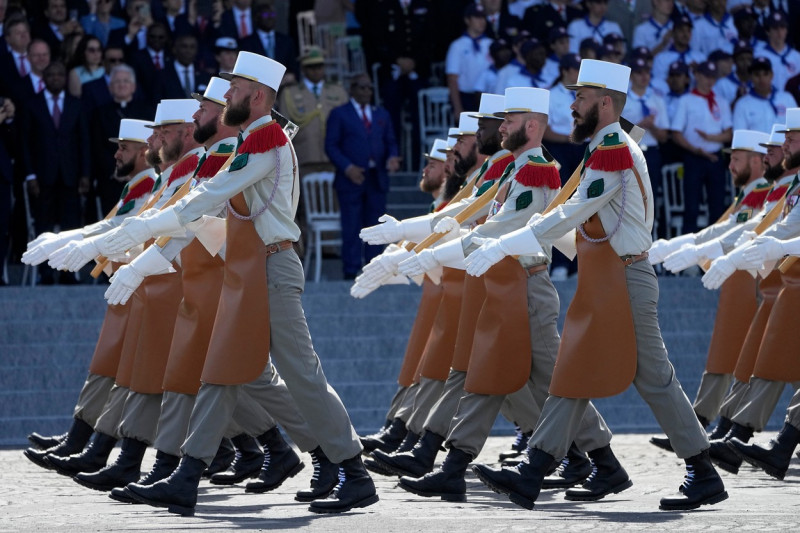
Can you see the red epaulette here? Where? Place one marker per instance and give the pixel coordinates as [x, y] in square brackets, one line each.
[539, 173]
[183, 168]
[756, 197]
[497, 168]
[140, 189]
[263, 138]
[612, 155]
[211, 165]
[777, 193]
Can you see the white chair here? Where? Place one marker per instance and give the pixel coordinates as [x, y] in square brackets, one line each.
[322, 215]
[435, 114]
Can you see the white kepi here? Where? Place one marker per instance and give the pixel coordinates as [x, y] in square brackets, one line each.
[175, 112]
[215, 91]
[749, 140]
[526, 100]
[792, 120]
[777, 136]
[467, 124]
[437, 150]
[452, 138]
[133, 130]
[490, 104]
[257, 68]
[602, 75]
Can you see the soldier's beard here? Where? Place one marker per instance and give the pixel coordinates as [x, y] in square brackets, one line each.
[452, 185]
[516, 139]
[205, 132]
[463, 164]
[740, 178]
[172, 152]
[152, 157]
[428, 184]
[792, 161]
[586, 129]
[236, 114]
[490, 146]
[773, 172]
[124, 169]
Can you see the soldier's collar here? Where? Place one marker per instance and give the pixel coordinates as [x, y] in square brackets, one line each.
[614, 127]
[255, 125]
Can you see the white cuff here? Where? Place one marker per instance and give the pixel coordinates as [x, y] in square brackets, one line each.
[151, 262]
[165, 224]
[520, 242]
[676, 242]
[417, 228]
[711, 250]
[450, 254]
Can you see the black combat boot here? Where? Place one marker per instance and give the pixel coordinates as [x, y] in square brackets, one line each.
[607, 477]
[246, 465]
[163, 467]
[408, 444]
[387, 439]
[355, 489]
[280, 463]
[521, 483]
[44, 442]
[574, 469]
[126, 469]
[415, 463]
[223, 459]
[369, 442]
[722, 428]
[519, 447]
[76, 439]
[723, 455]
[91, 459]
[446, 482]
[662, 442]
[701, 486]
[773, 458]
[178, 493]
[323, 480]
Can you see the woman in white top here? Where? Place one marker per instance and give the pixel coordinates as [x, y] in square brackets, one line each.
[87, 64]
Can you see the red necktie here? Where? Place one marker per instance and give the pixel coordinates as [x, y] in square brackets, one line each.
[243, 26]
[22, 70]
[56, 113]
[157, 61]
[367, 123]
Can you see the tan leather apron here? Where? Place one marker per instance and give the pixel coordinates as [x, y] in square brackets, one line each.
[163, 294]
[238, 350]
[438, 354]
[420, 331]
[127, 358]
[108, 350]
[201, 276]
[500, 359]
[735, 311]
[779, 357]
[597, 355]
[769, 288]
[471, 304]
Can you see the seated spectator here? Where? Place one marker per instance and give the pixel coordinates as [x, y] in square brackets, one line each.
[513, 66]
[746, 23]
[15, 64]
[55, 25]
[100, 22]
[467, 57]
[617, 41]
[716, 30]
[785, 58]
[501, 55]
[656, 32]
[610, 53]
[589, 49]
[39, 57]
[764, 105]
[678, 84]
[530, 75]
[594, 25]
[558, 40]
[175, 20]
[134, 35]
[737, 83]
[87, 65]
[679, 50]
[546, 15]
[266, 41]
[181, 77]
[702, 126]
[151, 61]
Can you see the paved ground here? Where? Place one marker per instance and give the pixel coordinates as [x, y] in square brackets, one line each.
[32, 499]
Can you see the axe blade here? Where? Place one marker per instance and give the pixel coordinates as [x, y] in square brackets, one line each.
[635, 132]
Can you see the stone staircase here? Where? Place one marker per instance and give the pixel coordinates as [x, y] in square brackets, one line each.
[47, 336]
[405, 199]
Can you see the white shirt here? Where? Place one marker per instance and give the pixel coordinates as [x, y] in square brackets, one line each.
[671, 102]
[709, 35]
[752, 112]
[467, 63]
[237, 20]
[785, 63]
[361, 111]
[486, 81]
[180, 70]
[728, 87]
[650, 33]
[669, 55]
[693, 113]
[523, 78]
[518, 8]
[503, 75]
[581, 29]
[550, 71]
[16, 55]
[638, 107]
[560, 115]
[36, 82]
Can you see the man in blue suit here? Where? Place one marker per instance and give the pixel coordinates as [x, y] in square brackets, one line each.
[361, 144]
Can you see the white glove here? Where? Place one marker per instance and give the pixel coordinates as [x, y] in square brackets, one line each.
[723, 267]
[447, 225]
[128, 278]
[385, 267]
[41, 252]
[692, 254]
[418, 263]
[47, 235]
[74, 255]
[492, 251]
[135, 230]
[391, 230]
[745, 237]
[662, 248]
[765, 249]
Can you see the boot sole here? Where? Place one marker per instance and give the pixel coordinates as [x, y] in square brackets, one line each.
[446, 497]
[716, 498]
[69, 472]
[376, 468]
[171, 507]
[766, 467]
[242, 476]
[396, 471]
[515, 497]
[594, 497]
[563, 484]
[103, 488]
[127, 498]
[293, 472]
[309, 499]
[332, 510]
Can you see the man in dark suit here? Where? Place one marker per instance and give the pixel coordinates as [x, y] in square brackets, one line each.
[500, 24]
[55, 26]
[266, 41]
[360, 142]
[539, 19]
[96, 92]
[7, 127]
[55, 153]
[150, 62]
[176, 22]
[237, 22]
[14, 62]
[181, 77]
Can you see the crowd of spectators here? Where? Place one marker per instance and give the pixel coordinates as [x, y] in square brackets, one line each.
[71, 69]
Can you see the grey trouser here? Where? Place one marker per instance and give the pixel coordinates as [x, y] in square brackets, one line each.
[176, 408]
[654, 380]
[520, 408]
[428, 393]
[292, 352]
[711, 394]
[108, 421]
[397, 402]
[731, 403]
[92, 398]
[442, 412]
[476, 413]
[793, 411]
[140, 417]
[759, 402]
